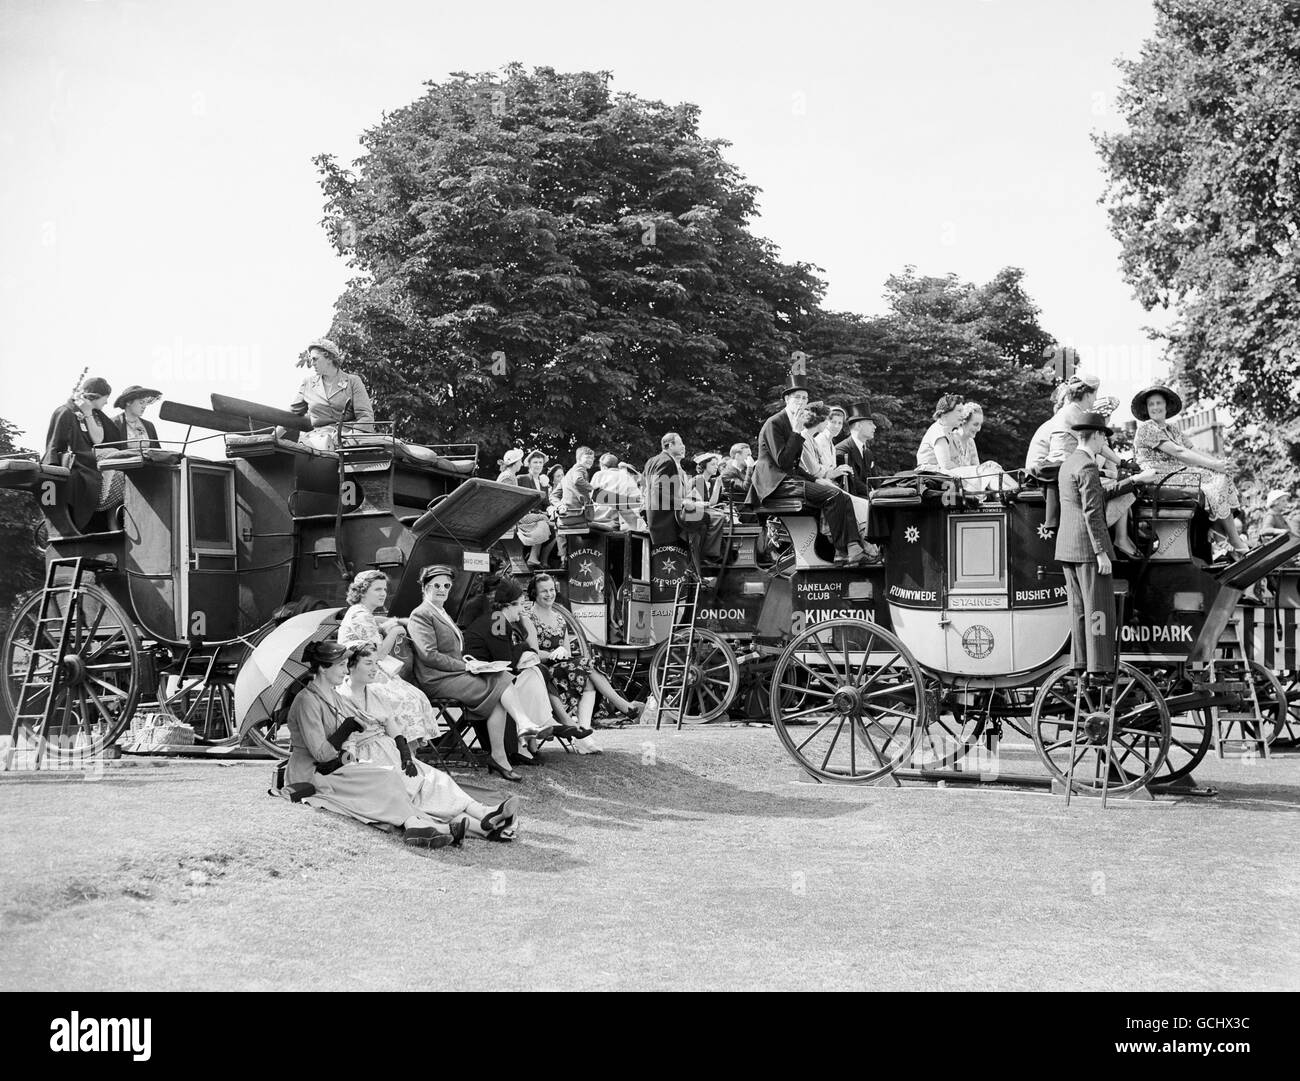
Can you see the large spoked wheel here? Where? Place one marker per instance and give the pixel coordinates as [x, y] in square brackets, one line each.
[271, 733]
[949, 730]
[712, 680]
[95, 689]
[1272, 699]
[1289, 736]
[863, 694]
[1140, 739]
[203, 695]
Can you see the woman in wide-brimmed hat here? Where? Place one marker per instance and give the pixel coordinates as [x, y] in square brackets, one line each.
[138, 433]
[1159, 445]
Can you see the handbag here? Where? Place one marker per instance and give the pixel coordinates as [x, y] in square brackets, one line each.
[400, 660]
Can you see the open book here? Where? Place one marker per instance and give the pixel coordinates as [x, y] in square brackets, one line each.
[476, 667]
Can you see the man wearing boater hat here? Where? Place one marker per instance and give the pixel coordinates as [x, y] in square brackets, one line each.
[780, 445]
[1084, 550]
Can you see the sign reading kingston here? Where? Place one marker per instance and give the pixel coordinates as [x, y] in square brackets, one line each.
[833, 594]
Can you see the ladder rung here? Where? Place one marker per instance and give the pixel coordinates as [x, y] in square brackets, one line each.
[1249, 718]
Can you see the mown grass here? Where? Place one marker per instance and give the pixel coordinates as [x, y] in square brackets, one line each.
[674, 860]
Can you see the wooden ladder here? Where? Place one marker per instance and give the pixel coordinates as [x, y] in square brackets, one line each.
[675, 686]
[40, 679]
[1230, 677]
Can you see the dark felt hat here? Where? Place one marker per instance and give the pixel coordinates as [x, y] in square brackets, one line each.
[1091, 422]
[133, 392]
[1139, 405]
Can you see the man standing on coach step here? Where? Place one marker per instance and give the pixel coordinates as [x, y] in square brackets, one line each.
[1084, 550]
[780, 445]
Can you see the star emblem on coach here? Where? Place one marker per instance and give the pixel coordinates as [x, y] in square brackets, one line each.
[911, 534]
[1046, 532]
[588, 568]
[669, 566]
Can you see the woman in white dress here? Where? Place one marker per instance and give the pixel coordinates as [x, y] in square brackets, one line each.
[937, 452]
[376, 737]
[361, 624]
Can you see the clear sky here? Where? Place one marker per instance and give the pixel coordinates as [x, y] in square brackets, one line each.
[159, 211]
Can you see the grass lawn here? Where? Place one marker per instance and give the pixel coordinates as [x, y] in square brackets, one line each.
[675, 860]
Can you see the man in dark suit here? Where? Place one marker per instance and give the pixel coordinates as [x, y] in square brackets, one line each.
[673, 515]
[1084, 550]
[780, 445]
[856, 447]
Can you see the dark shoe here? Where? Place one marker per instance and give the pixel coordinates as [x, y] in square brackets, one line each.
[458, 829]
[583, 733]
[501, 818]
[509, 775]
[1128, 553]
[426, 837]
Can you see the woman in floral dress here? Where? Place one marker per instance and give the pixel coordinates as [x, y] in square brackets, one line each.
[1159, 445]
[367, 595]
[552, 634]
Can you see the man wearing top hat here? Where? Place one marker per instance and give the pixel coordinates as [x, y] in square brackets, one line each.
[1084, 550]
[780, 445]
[856, 448]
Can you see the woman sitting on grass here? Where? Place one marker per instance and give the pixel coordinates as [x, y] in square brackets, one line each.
[319, 722]
[376, 736]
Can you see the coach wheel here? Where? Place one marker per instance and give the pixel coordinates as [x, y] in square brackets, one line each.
[203, 695]
[1190, 733]
[949, 729]
[271, 733]
[1289, 736]
[96, 687]
[713, 675]
[1272, 698]
[863, 694]
[1139, 729]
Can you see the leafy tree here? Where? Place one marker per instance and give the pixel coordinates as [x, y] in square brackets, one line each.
[20, 566]
[539, 259]
[1202, 195]
[940, 336]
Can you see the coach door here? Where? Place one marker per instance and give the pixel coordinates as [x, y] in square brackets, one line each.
[210, 586]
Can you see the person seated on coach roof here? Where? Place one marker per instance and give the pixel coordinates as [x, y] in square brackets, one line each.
[736, 471]
[1080, 398]
[778, 472]
[330, 395]
[575, 488]
[674, 513]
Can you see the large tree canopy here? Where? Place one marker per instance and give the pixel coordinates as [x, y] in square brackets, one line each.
[1203, 193]
[540, 259]
[940, 336]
